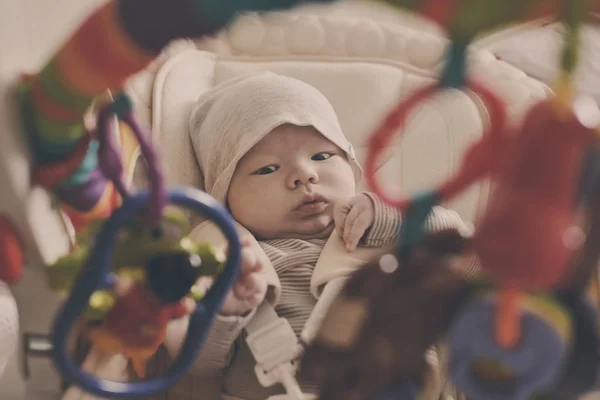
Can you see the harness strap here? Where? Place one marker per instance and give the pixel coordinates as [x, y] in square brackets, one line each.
[276, 348]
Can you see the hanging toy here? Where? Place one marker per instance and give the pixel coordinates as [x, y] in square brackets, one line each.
[373, 340]
[526, 240]
[136, 324]
[133, 273]
[494, 373]
[536, 194]
[154, 272]
[523, 238]
[529, 235]
[158, 292]
[580, 297]
[135, 247]
[81, 168]
[117, 40]
[133, 320]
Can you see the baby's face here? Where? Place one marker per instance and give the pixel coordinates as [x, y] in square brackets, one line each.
[286, 185]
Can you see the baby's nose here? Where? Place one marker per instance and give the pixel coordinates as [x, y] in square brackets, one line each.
[303, 176]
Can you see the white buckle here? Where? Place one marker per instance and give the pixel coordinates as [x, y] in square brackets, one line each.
[274, 344]
[284, 374]
[275, 347]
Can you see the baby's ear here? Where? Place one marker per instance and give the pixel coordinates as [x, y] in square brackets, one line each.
[446, 242]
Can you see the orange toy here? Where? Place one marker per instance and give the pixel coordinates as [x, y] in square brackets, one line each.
[136, 325]
[11, 252]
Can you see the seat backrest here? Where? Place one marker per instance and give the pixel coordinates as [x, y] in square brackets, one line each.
[364, 67]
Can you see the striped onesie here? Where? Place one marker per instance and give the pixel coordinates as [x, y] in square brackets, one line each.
[226, 364]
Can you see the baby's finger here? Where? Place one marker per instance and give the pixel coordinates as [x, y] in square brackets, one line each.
[259, 289]
[255, 299]
[244, 242]
[249, 261]
[247, 284]
[350, 220]
[254, 282]
[340, 213]
[358, 229]
[240, 290]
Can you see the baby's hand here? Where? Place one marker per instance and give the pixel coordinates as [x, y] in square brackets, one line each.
[352, 218]
[251, 287]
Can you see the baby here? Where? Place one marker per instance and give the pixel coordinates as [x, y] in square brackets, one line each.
[271, 148]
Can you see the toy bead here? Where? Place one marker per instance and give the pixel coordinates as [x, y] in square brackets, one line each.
[454, 74]
[122, 105]
[50, 175]
[415, 218]
[11, 252]
[573, 15]
[486, 371]
[564, 94]
[99, 305]
[508, 322]
[171, 276]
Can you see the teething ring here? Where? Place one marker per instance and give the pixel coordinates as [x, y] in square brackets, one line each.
[95, 275]
[476, 164]
[581, 371]
[485, 370]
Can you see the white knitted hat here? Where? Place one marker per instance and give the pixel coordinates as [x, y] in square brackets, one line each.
[228, 120]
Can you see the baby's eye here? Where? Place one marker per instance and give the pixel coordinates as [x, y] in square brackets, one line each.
[266, 170]
[321, 156]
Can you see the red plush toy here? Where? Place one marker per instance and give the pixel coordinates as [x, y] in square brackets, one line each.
[136, 325]
[524, 239]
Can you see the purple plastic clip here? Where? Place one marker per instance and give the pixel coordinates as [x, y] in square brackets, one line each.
[109, 158]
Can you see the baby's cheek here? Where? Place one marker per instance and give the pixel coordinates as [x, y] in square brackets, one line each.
[341, 177]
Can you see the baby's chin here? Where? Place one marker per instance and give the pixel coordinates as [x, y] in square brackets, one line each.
[323, 233]
[320, 228]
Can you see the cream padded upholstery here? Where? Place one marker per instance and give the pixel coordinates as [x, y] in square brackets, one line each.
[363, 67]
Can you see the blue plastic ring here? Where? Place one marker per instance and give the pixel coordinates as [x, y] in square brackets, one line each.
[94, 275]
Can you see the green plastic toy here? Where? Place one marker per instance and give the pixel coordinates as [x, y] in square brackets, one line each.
[136, 246]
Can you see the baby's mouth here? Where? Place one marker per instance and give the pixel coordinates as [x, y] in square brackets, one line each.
[312, 207]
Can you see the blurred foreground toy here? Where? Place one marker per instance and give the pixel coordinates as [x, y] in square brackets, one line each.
[390, 312]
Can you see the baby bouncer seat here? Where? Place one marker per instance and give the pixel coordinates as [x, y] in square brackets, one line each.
[362, 66]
